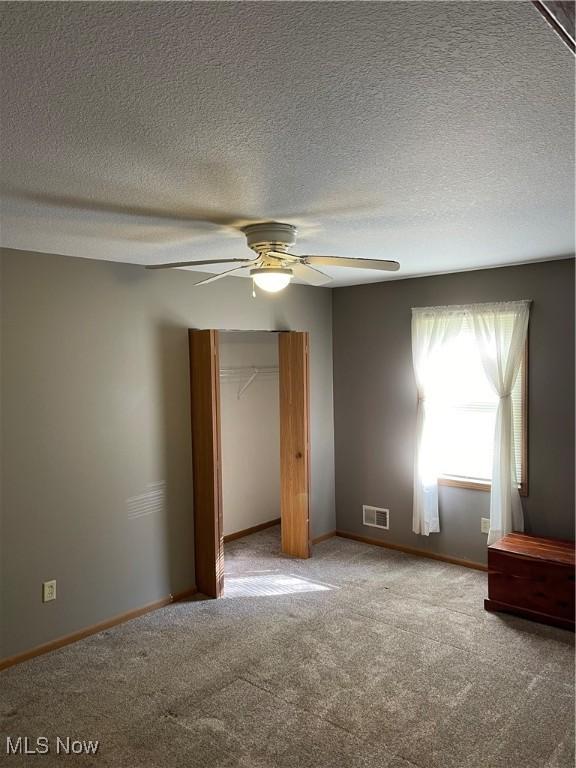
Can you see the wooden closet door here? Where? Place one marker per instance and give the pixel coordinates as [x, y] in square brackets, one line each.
[206, 461]
[294, 443]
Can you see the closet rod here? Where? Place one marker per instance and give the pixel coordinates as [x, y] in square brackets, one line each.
[247, 374]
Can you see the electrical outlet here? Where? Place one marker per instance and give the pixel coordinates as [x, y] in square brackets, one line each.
[49, 591]
[484, 525]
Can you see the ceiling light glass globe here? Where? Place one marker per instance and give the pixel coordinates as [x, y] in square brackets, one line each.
[271, 280]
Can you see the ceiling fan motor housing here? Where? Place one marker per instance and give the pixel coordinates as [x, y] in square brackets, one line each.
[270, 236]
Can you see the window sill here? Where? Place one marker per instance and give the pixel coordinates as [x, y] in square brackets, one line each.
[475, 485]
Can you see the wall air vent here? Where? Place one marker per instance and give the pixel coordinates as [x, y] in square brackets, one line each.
[376, 517]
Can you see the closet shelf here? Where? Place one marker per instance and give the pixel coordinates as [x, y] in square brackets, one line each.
[245, 375]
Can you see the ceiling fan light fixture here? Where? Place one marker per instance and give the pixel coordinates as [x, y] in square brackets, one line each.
[271, 279]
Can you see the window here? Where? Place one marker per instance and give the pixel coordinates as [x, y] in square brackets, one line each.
[461, 408]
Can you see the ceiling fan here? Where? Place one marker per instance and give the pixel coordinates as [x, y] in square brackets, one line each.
[274, 266]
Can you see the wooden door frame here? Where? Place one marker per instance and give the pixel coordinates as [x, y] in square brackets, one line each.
[293, 359]
[206, 453]
[206, 461]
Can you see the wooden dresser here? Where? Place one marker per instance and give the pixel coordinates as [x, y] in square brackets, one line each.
[532, 577]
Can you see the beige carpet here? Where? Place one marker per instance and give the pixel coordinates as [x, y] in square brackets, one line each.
[359, 657]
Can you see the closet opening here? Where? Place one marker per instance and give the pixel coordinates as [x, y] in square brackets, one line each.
[250, 425]
[250, 451]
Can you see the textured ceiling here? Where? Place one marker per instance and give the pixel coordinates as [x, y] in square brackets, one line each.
[437, 134]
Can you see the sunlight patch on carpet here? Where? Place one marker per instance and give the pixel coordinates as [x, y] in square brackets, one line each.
[266, 584]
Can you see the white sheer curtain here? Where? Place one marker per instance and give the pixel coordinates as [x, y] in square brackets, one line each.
[431, 327]
[500, 331]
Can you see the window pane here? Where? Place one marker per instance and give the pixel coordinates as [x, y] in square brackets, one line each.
[466, 442]
[462, 407]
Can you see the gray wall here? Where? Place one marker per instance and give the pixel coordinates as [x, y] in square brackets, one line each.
[375, 404]
[95, 391]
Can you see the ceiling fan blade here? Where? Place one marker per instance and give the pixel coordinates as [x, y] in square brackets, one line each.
[175, 264]
[310, 275]
[341, 261]
[212, 278]
[283, 256]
